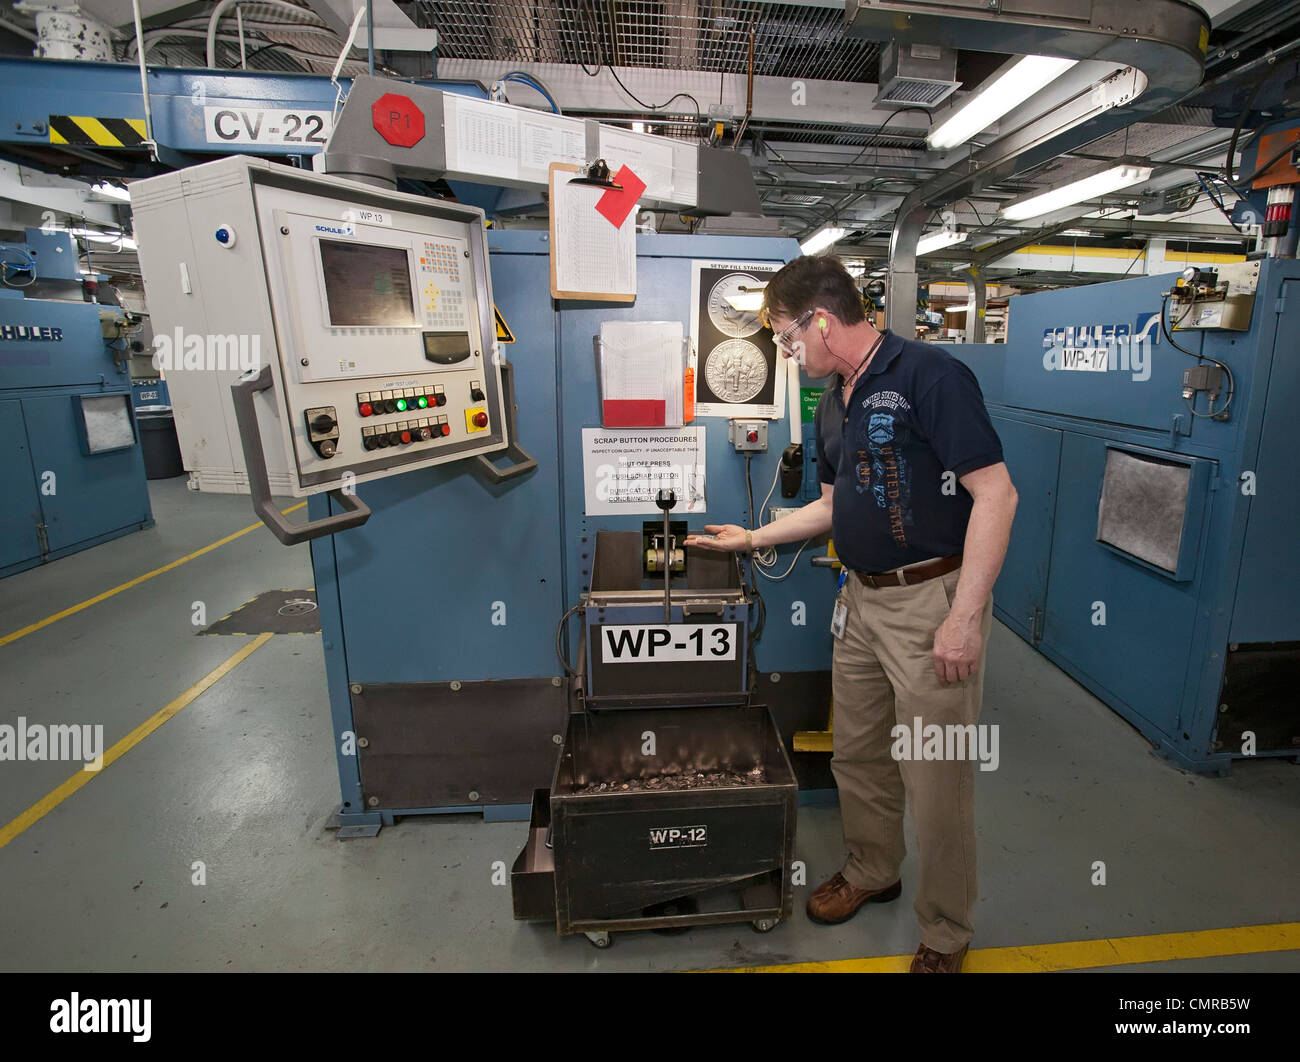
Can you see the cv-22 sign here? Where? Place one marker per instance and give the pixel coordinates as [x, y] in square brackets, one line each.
[667, 643]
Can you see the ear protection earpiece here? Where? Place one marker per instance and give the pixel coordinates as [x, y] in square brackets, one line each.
[821, 323]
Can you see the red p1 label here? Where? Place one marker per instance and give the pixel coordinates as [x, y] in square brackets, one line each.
[398, 120]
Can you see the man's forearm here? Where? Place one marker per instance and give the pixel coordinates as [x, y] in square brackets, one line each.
[987, 535]
[810, 520]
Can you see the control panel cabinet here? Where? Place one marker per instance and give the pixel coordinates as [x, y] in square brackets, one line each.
[373, 310]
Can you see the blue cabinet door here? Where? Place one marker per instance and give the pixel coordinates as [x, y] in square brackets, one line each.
[1269, 586]
[21, 512]
[1033, 456]
[1125, 627]
[92, 494]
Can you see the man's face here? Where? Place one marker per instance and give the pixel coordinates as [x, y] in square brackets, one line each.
[797, 338]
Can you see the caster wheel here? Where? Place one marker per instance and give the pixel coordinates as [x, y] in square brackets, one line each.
[601, 939]
[765, 925]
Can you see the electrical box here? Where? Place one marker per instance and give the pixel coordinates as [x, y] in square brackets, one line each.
[1223, 299]
[373, 310]
[748, 436]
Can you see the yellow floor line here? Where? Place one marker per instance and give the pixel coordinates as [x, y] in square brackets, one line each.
[1078, 954]
[53, 799]
[134, 582]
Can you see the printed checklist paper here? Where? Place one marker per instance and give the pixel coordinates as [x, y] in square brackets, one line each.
[590, 258]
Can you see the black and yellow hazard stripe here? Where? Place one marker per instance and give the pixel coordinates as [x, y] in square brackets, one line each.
[96, 132]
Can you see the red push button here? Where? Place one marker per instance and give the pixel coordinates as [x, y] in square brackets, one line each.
[406, 437]
[366, 409]
[480, 420]
[446, 429]
[752, 436]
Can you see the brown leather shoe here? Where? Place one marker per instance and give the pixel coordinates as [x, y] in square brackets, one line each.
[837, 901]
[927, 960]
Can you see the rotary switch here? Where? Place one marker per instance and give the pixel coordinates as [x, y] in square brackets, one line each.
[323, 430]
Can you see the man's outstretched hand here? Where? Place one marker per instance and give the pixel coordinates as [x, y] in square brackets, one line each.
[726, 537]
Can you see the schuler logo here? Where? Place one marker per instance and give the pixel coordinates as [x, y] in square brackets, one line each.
[337, 230]
[32, 333]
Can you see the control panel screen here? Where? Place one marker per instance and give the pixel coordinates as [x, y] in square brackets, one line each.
[446, 348]
[366, 284]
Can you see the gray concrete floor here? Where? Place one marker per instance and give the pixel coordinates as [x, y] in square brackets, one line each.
[243, 780]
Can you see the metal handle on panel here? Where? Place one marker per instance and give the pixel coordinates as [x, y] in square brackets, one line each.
[523, 462]
[702, 608]
[250, 439]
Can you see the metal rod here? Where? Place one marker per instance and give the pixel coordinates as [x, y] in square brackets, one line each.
[668, 571]
[370, 37]
[749, 94]
[144, 80]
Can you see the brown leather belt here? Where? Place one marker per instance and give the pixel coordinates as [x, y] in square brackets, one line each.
[907, 577]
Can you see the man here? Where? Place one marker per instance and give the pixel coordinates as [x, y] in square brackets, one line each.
[918, 498]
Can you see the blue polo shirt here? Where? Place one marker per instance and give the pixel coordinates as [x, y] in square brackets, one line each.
[915, 413]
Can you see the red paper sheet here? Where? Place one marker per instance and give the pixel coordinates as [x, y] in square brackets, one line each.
[634, 412]
[616, 206]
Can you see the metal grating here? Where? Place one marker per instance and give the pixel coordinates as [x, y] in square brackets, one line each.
[708, 35]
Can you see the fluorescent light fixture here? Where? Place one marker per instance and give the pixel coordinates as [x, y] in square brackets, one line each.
[934, 241]
[638, 127]
[856, 270]
[879, 272]
[111, 191]
[821, 240]
[1126, 172]
[1075, 232]
[1015, 84]
[747, 300]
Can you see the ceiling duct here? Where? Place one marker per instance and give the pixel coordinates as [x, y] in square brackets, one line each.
[916, 75]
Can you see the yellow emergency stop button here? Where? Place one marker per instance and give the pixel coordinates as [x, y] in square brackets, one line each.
[476, 420]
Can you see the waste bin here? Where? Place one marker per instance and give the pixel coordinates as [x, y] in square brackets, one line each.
[162, 450]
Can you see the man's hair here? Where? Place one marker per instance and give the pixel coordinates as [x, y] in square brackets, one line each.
[813, 280]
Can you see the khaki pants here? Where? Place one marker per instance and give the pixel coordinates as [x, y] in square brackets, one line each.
[882, 675]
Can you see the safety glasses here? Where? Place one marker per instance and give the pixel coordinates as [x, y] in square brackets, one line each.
[786, 338]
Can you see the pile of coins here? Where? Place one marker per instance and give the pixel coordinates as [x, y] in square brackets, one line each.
[683, 780]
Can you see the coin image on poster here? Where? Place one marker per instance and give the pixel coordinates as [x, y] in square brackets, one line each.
[726, 318]
[735, 370]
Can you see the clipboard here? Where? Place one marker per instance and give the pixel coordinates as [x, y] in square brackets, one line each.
[585, 237]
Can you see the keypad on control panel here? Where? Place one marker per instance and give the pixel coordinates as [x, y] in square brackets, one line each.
[443, 300]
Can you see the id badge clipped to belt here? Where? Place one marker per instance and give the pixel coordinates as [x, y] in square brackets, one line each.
[840, 617]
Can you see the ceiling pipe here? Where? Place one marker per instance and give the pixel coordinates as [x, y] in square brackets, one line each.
[1163, 40]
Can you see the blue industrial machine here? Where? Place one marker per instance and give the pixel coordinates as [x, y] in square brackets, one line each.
[1153, 553]
[73, 474]
[474, 723]
[444, 591]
